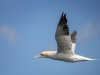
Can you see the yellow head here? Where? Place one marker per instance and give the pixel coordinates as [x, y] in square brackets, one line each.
[44, 54]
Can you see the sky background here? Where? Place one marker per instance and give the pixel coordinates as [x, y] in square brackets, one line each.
[27, 27]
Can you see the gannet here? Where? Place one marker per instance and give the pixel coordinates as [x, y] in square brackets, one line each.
[66, 44]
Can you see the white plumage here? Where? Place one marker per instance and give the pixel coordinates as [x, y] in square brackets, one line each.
[66, 44]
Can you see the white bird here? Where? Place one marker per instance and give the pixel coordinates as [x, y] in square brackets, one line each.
[66, 44]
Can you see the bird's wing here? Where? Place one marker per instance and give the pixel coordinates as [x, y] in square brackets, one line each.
[73, 39]
[63, 37]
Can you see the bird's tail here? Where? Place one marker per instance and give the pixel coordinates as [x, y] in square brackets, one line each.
[93, 59]
[87, 59]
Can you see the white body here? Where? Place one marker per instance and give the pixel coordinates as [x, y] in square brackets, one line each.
[68, 58]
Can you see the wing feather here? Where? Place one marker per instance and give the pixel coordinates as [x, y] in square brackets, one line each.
[73, 38]
[63, 37]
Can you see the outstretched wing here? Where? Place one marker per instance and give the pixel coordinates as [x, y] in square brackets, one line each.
[63, 37]
[73, 39]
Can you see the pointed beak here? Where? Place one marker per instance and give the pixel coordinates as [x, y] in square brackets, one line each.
[38, 56]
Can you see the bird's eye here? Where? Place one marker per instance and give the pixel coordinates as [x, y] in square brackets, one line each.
[42, 54]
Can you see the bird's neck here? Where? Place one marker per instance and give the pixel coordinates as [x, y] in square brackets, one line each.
[52, 54]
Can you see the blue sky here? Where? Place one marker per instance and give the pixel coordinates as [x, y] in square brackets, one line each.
[27, 27]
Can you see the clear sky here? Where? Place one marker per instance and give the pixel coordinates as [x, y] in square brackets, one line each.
[27, 27]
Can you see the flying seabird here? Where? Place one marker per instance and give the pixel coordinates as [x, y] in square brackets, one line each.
[66, 44]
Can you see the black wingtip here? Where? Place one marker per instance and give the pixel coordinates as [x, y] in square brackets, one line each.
[63, 23]
[65, 15]
[62, 14]
[63, 19]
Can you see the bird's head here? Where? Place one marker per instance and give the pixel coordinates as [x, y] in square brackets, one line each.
[44, 54]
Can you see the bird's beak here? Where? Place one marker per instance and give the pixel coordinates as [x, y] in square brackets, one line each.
[38, 56]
